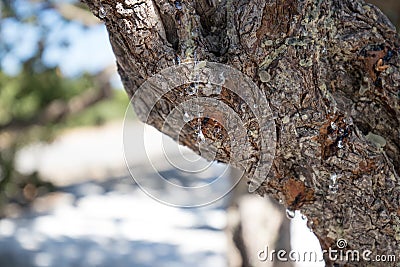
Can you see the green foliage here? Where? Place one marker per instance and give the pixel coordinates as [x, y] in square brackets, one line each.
[27, 98]
[28, 93]
[22, 98]
[110, 109]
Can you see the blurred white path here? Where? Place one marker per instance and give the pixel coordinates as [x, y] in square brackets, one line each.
[101, 218]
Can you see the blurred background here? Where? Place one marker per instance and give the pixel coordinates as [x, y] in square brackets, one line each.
[66, 198]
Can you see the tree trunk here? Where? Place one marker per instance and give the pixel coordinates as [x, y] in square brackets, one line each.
[248, 230]
[330, 71]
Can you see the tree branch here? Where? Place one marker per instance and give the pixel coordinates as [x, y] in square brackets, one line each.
[331, 72]
[58, 110]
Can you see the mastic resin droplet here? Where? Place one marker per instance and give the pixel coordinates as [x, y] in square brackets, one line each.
[243, 107]
[186, 117]
[200, 137]
[191, 90]
[102, 12]
[340, 144]
[290, 214]
[333, 185]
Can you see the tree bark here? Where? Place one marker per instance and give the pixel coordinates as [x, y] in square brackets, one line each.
[330, 70]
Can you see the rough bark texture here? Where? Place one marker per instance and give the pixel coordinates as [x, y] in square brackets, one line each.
[331, 72]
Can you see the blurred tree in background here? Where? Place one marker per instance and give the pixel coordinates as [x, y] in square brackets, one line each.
[37, 100]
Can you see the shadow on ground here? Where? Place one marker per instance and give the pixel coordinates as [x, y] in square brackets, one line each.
[112, 223]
